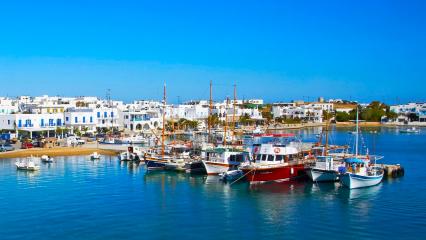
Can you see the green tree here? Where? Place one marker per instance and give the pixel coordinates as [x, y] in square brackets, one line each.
[213, 120]
[246, 120]
[343, 117]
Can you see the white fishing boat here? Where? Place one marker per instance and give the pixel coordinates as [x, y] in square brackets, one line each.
[325, 170]
[46, 159]
[135, 140]
[221, 159]
[410, 130]
[28, 164]
[95, 156]
[132, 154]
[360, 172]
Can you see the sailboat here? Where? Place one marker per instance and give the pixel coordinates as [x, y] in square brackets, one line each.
[359, 171]
[158, 161]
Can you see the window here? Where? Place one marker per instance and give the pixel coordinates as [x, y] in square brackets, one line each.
[271, 158]
[8, 122]
[42, 122]
[279, 158]
[99, 115]
[84, 119]
[264, 157]
[76, 119]
[105, 114]
[67, 119]
[112, 114]
[51, 123]
[258, 157]
[91, 119]
[58, 122]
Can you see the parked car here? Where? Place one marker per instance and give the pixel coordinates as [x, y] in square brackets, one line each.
[27, 145]
[6, 148]
[75, 140]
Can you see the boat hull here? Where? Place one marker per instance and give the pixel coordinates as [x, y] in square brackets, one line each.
[195, 167]
[215, 168]
[319, 175]
[352, 181]
[179, 167]
[278, 173]
[155, 164]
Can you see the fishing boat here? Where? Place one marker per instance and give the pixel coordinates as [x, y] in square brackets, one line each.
[222, 159]
[135, 140]
[28, 164]
[410, 130]
[154, 159]
[325, 168]
[195, 167]
[46, 159]
[360, 172]
[275, 162]
[156, 162]
[95, 156]
[132, 154]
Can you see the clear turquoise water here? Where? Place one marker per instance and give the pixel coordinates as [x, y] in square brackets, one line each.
[75, 198]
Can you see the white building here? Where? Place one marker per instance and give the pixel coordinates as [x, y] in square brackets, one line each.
[107, 117]
[413, 111]
[81, 119]
[139, 121]
[31, 122]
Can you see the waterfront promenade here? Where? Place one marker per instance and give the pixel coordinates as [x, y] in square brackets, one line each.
[87, 149]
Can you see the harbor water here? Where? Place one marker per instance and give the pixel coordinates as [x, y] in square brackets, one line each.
[76, 198]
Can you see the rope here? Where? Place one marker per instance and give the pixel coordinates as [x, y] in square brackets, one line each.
[242, 176]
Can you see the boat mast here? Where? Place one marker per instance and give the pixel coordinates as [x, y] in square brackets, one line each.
[164, 120]
[326, 139]
[233, 114]
[209, 118]
[226, 119]
[357, 132]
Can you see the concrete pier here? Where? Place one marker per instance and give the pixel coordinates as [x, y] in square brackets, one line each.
[393, 171]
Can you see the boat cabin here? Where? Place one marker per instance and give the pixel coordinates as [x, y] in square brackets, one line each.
[226, 155]
[272, 153]
[324, 162]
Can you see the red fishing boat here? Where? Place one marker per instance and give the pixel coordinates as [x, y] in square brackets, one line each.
[275, 162]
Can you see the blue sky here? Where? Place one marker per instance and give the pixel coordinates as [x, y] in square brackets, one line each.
[276, 50]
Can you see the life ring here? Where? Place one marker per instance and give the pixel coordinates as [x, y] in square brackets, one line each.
[256, 149]
[277, 150]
